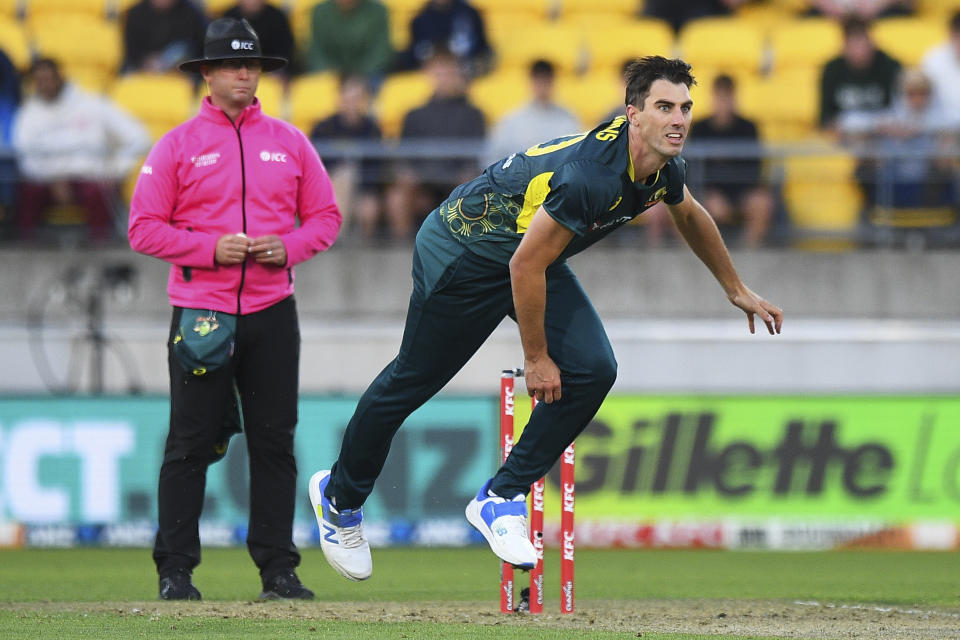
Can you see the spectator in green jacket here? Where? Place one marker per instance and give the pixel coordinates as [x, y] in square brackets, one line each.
[350, 37]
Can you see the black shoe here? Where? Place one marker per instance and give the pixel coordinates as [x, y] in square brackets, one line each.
[176, 585]
[285, 586]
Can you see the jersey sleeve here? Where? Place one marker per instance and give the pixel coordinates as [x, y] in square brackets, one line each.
[581, 192]
[676, 176]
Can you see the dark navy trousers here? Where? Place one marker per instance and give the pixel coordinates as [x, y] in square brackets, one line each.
[265, 370]
[449, 317]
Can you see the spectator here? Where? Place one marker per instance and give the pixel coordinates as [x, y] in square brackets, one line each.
[159, 34]
[942, 67]
[447, 116]
[733, 189]
[271, 24]
[865, 10]
[450, 24]
[9, 103]
[350, 37]
[72, 147]
[918, 137]
[541, 119]
[679, 13]
[858, 83]
[357, 184]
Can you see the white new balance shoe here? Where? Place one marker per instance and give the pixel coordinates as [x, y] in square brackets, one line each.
[504, 524]
[341, 533]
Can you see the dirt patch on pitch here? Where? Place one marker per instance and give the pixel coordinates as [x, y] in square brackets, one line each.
[731, 617]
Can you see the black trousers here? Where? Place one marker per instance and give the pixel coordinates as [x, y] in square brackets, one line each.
[447, 322]
[265, 369]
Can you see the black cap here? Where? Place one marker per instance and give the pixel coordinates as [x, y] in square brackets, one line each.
[228, 39]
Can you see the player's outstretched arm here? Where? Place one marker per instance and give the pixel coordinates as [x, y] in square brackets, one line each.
[698, 229]
[543, 242]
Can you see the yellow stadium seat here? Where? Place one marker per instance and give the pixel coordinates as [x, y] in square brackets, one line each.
[270, 92]
[120, 7]
[542, 8]
[400, 93]
[590, 96]
[784, 105]
[500, 92]
[400, 20]
[620, 8]
[299, 12]
[937, 9]
[767, 16]
[78, 40]
[42, 8]
[805, 43]
[313, 97]
[93, 79]
[160, 101]
[908, 39]
[502, 26]
[216, 8]
[727, 44]
[611, 45]
[9, 8]
[561, 44]
[702, 91]
[822, 198]
[15, 43]
[404, 5]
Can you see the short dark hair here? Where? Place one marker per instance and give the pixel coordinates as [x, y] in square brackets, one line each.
[643, 72]
[44, 62]
[855, 27]
[723, 82]
[541, 68]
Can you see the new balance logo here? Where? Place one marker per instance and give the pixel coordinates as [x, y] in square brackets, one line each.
[330, 534]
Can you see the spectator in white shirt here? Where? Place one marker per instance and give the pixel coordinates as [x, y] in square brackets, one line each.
[942, 66]
[539, 120]
[72, 148]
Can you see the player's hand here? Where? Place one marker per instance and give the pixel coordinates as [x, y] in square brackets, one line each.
[543, 379]
[231, 248]
[269, 250]
[752, 304]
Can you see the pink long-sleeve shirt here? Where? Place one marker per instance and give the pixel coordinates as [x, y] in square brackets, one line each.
[210, 177]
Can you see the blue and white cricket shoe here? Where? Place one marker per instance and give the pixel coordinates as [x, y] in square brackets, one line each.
[341, 533]
[504, 524]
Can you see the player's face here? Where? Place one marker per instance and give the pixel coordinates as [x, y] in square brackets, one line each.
[233, 82]
[665, 118]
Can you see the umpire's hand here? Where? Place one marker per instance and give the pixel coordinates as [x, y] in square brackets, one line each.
[232, 248]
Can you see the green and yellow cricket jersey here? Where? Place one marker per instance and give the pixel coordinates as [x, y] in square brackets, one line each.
[585, 182]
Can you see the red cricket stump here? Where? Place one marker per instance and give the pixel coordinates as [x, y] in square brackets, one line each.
[507, 385]
[567, 540]
[536, 537]
[506, 445]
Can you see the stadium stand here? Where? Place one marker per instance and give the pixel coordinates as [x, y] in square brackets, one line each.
[806, 43]
[822, 199]
[908, 39]
[400, 93]
[608, 45]
[160, 101]
[46, 8]
[560, 43]
[312, 97]
[15, 42]
[723, 44]
[93, 65]
[500, 92]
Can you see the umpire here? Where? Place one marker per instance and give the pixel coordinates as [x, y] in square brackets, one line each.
[219, 198]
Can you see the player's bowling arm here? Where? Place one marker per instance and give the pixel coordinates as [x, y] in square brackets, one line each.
[543, 243]
[701, 234]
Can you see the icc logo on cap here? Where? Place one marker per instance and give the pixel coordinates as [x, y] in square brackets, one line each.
[246, 45]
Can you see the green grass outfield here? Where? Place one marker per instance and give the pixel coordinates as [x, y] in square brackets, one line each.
[452, 593]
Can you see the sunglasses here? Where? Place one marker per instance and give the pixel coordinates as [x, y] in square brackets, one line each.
[235, 64]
